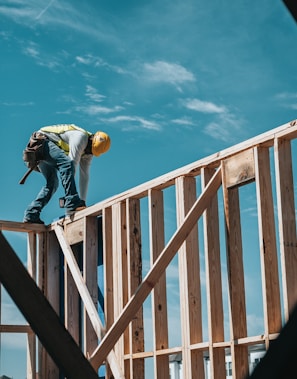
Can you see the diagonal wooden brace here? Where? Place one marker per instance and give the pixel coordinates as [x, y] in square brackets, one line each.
[86, 297]
[158, 268]
[41, 316]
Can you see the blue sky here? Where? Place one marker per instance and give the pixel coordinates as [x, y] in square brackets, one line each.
[170, 81]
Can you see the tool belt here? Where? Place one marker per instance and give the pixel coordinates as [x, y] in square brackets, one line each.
[33, 153]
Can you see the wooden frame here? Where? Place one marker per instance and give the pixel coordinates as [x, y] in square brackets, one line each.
[119, 342]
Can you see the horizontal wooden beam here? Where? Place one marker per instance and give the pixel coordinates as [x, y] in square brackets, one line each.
[157, 270]
[15, 329]
[288, 131]
[41, 316]
[14, 226]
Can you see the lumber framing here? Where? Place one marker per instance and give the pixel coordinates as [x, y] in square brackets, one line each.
[32, 303]
[122, 243]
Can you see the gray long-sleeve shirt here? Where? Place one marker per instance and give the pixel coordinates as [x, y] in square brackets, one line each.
[77, 141]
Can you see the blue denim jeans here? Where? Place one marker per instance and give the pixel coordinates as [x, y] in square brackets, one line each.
[55, 161]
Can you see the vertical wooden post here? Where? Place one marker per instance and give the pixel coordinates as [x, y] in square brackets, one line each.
[267, 238]
[108, 272]
[238, 323]
[72, 313]
[160, 322]
[90, 264]
[119, 268]
[135, 278]
[189, 281]
[31, 339]
[213, 282]
[287, 222]
[49, 282]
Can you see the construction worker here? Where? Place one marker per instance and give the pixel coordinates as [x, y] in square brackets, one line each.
[66, 147]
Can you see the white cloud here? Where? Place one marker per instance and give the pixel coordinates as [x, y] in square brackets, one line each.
[165, 72]
[59, 14]
[92, 93]
[32, 50]
[93, 110]
[135, 122]
[91, 60]
[224, 126]
[183, 121]
[204, 106]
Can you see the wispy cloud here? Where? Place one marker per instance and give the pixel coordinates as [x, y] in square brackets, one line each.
[204, 106]
[33, 50]
[93, 109]
[287, 99]
[61, 14]
[92, 94]
[166, 72]
[224, 126]
[91, 60]
[44, 10]
[130, 123]
[185, 121]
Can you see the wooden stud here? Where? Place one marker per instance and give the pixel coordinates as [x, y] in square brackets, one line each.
[118, 277]
[159, 308]
[108, 272]
[41, 316]
[287, 221]
[49, 283]
[31, 339]
[86, 297]
[189, 281]
[156, 270]
[213, 282]
[90, 264]
[135, 278]
[268, 249]
[238, 328]
[71, 299]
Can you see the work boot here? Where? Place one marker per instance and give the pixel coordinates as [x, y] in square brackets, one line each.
[37, 221]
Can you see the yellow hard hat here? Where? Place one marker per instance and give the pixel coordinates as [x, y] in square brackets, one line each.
[100, 143]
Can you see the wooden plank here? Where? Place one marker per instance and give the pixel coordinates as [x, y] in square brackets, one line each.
[134, 253]
[108, 272]
[287, 222]
[267, 238]
[238, 327]
[49, 283]
[118, 277]
[159, 298]
[189, 281]
[16, 329]
[41, 316]
[156, 271]
[213, 282]
[239, 169]
[14, 226]
[288, 130]
[71, 299]
[74, 231]
[85, 296]
[31, 340]
[90, 264]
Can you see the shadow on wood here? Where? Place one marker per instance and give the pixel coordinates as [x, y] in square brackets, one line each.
[280, 360]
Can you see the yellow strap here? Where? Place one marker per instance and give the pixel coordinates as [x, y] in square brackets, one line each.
[60, 129]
